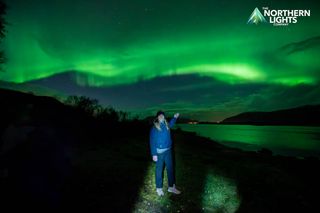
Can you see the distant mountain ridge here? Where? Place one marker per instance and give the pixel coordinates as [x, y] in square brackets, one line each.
[31, 89]
[307, 115]
[181, 120]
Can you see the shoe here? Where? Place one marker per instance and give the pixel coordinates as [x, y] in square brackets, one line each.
[160, 192]
[174, 190]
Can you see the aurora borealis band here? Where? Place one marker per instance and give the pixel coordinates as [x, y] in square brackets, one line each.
[200, 58]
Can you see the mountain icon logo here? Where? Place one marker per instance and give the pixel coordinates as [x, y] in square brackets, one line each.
[256, 17]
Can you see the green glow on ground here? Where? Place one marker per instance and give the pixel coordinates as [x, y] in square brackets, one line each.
[220, 194]
[148, 200]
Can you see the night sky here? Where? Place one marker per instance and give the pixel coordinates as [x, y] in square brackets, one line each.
[196, 57]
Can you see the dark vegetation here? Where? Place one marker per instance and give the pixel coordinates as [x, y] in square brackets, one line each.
[42, 138]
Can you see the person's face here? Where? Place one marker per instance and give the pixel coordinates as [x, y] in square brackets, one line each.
[161, 117]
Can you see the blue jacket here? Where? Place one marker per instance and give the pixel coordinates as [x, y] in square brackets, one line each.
[161, 139]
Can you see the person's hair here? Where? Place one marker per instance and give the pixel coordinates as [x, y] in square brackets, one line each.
[156, 123]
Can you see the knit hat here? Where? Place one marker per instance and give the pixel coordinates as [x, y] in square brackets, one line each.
[159, 113]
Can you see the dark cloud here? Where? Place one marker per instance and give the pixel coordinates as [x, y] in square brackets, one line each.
[294, 47]
[194, 96]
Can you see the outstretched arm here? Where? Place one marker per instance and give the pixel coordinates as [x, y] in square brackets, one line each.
[173, 120]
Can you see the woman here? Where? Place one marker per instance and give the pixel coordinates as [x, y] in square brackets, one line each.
[160, 144]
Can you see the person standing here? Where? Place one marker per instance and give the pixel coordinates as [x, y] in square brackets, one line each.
[161, 151]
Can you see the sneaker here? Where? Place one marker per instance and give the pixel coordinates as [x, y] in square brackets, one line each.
[174, 190]
[160, 192]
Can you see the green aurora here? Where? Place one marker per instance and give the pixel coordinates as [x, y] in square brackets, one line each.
[124, 42]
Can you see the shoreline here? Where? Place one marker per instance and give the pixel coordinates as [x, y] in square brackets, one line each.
[246, 146]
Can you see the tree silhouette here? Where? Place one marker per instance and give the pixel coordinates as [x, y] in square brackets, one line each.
[107, 114]
[92, 108]
[86, 104]
[2, 28]
[123, 115]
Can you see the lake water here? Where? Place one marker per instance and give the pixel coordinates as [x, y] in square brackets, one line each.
[285, 140]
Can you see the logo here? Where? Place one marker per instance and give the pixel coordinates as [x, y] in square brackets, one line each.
[256, 17]
[277, 17]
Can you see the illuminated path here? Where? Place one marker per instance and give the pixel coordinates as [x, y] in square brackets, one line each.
[148, 200]
[215, 193]
[220, 194]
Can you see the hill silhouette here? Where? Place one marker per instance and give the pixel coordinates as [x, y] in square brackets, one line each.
[304, 116]
[39, 139]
